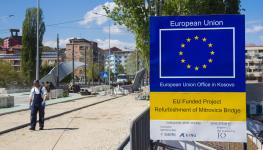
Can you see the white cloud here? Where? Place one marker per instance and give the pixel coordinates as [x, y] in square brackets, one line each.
[53, 44]
[115, 29]
[98, 18]
[255, 28]
[104, 44]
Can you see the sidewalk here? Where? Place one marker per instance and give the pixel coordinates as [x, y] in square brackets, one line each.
[99, 127]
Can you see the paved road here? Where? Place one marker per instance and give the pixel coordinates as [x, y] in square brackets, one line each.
[98, 127]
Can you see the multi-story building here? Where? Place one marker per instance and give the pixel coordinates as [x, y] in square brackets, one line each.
[11, 49]
[123, 57]
[113, 62]
[50, 57]
[13, 40]
[94, 55]
[47, 57]
[117, 57]
[254, 64]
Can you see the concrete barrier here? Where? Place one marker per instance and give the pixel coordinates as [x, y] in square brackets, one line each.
[6, 101]
[56, 93]
[3, 91]
[13, 90]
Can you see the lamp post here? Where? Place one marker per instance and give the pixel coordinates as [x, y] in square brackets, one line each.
[85, 69]
[37, 56]
[73, 59]
[57, 60]
[109, 47]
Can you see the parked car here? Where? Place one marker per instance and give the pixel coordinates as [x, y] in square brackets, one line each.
[122, 79]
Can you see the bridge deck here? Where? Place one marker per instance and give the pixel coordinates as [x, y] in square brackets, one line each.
[101, 126]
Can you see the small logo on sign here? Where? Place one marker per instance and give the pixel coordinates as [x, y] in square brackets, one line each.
[221, 135]
[184, 135]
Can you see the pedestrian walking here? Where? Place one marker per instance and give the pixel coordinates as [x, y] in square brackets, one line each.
[37, 104]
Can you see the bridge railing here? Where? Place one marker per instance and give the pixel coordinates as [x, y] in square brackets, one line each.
[139, 139]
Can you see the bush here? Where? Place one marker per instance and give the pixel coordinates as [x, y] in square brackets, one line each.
[10, 77]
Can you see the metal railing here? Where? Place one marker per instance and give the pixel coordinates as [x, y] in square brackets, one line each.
[124, 144]
[255, 140]
[139, 139]
[140, 132]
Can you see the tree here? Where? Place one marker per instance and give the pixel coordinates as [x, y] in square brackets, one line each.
[1, 41]
[134, 14]
[93, 72]
[120, 69]
[29, 42]
[47, 48]
[131, 67]
[45, 69]
[8, 76]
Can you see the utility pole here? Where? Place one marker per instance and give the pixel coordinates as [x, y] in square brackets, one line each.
[98, 64]
[137, 61]
[85, 69]
[73, 55]
[109, 47]
[92, 69]
[37, 56]
[57, 60]
[109, 55]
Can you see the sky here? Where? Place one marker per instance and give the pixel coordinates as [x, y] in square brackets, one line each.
[95, 27]
[87, 24]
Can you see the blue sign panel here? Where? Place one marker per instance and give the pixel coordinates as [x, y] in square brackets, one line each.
[197, 53]
[104, 75]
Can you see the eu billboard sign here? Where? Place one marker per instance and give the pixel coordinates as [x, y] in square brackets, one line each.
[197, 70]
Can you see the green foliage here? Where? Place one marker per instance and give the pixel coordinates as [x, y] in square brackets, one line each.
[67, 79]
[45, 69]
[1, 41]
[46, 48]
[8, 76]
[130, 67]
[65, 94]
[29, 42]
[93, 71]
[112, 76]
[134, 14]
[120, 69]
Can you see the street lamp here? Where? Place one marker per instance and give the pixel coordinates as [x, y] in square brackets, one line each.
[109, 45]
[37, 56]
[57, 60]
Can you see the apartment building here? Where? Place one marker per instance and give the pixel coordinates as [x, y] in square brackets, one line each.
[117, 57]
[84, 49]
[254, 64]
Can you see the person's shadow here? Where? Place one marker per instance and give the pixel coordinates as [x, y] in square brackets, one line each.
[61, 128]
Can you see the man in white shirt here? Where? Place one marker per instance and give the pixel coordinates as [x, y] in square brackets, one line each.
[37, 100]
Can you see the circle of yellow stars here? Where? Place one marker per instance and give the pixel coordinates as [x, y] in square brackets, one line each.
[204, 66]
